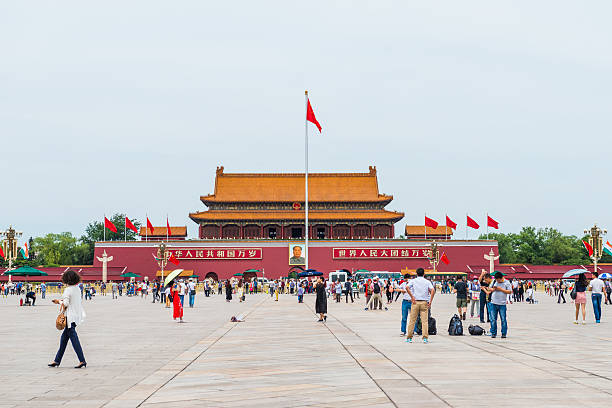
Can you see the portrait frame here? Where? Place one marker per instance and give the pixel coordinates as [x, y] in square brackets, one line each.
[291, 258]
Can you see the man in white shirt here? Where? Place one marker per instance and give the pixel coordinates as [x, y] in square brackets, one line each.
[182, 290]
[421, 292]
[598, 287]
[192, 292]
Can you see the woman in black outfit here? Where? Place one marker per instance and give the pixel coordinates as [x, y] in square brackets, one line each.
[228, 291]
[321, 302]
[561, 291]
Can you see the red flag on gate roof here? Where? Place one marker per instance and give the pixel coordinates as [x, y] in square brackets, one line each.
[450, 223]
[492, 223]
[128, 224]
[108, 224]
[588, 247]
[173, 259]
[168, 226]
[310, 116]
[430, 223]
[444, 258]
[150, 226]
[471, 223]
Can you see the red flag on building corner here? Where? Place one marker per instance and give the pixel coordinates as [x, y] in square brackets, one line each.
[150, 226]
[492, 223]
[173, 259]
[588, 247]
[430, 223]
[310, 116]
[450, 223]
[169, 233]
[128, 224]
[444, 258]
[109, 225]
[471, 223]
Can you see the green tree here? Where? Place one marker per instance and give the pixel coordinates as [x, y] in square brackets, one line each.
[55, 249]
[543, 246]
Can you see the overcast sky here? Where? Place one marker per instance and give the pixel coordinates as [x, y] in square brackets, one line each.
[471, 106]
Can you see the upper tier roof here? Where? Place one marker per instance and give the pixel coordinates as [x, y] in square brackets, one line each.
[289, 187]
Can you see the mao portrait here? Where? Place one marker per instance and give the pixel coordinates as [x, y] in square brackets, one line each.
[296, 256]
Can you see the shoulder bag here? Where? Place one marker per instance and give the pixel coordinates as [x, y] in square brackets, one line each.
[60, 321]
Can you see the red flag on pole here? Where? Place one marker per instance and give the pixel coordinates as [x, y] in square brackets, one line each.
[169, 233]
[109, 225]
[2, 253]
[150, 226]
[588, 247]
[310, 116]
[430, 223]
[173, 259]
[450, 223]
[471, 223]
[444, 258]
[128, 224]
[492, 223]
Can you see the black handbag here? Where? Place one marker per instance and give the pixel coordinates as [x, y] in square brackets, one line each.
[573, 293]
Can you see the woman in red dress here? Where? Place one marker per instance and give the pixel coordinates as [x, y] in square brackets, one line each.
[176, 303]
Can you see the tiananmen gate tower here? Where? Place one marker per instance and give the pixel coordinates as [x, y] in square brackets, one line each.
[271, 206]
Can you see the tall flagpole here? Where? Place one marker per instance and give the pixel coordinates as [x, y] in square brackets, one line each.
[306, 182]
[147, 228]
[167, 227]
[425, 228]
[125, 229]
[487, 218]
[104, 227]
[466, 226]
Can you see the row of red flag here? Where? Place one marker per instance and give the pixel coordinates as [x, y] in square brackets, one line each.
[129, 225]
[429, 222]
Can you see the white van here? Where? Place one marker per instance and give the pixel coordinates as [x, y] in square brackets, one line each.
[342, 276]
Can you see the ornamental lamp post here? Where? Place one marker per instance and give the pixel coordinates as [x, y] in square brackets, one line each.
[434, 256]
[9, 246]
[162, 258]
[596, 242]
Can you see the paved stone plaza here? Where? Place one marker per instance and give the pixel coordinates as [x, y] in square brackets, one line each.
[281, 356]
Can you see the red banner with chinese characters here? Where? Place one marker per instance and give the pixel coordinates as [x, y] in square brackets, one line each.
[380, 253]
[217, 253]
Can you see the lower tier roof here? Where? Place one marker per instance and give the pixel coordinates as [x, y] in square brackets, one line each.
[297, 215]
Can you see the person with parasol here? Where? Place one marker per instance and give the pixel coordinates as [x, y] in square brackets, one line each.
[177, 305]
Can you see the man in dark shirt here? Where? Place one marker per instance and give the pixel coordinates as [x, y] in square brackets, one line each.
[461, 289]
[348, 287]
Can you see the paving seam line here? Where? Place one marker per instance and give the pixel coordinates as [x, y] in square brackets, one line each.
[556, 362]
[536, 368]
[381, 353]
[189, 362]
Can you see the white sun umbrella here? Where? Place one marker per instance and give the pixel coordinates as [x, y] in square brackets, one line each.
[172, 275]
[574, 272]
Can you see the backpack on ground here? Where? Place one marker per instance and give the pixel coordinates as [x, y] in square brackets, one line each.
[476, 330]
[455, 327]
[431, 326]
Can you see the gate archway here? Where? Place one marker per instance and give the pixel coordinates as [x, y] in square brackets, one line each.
[213, 276]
